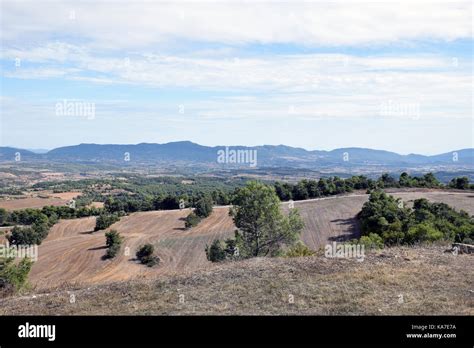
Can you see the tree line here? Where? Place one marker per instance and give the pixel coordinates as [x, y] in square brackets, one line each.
[307, 189]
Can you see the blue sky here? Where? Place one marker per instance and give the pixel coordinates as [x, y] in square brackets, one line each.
[318, 75]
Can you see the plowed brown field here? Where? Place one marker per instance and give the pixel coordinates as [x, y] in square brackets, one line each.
[31, 202]
[72, 253]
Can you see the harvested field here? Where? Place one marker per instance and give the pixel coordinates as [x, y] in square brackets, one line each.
[38, 200]
[31, 202]
[72, 253]
[66, 195]
[334, 218]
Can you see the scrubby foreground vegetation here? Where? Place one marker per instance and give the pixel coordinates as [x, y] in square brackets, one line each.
[398, 280]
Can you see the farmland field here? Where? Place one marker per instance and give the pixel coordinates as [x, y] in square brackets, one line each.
[31, 202]
[42, 199]
[72, 253]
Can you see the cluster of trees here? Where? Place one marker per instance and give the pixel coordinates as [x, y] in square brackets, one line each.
[129, 203]
[53, 213]
[461, 183]
[263, 230]
[385, 220]
[149, 188]
[307, 189]
[37, 222]
[30, 235]
[427, 180]
[202, 209]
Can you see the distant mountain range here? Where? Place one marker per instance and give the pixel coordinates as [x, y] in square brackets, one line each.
[186, 152]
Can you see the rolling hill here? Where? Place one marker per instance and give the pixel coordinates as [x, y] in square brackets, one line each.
[72, 252]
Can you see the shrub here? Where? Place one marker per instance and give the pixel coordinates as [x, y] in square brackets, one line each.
[13, 276]
[146, 257]
[216, 252]
[191, 220]
[223, 250]
[113, 241]
[372, 241]
[423, 232]
[299, 249]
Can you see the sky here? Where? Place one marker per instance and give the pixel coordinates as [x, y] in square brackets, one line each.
[391, 75]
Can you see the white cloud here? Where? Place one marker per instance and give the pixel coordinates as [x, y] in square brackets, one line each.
[141, 24]
[317, 85]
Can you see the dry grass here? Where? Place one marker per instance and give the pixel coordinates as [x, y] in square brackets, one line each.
[431, 282]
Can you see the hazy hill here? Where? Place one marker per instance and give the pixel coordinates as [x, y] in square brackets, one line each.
[267, 155]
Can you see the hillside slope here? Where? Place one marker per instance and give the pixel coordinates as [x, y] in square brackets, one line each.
[393, 281]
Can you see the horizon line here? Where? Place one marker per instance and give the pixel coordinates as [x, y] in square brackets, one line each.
[212, 146]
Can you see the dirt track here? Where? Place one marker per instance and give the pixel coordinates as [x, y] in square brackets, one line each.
[72, 253]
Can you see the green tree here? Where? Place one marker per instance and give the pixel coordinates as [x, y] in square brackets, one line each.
[262, 228]
[405, 180]
[300, 191]
[105, 220]
[203, 207]
[284, 191]
[113, 241]
[461, 183]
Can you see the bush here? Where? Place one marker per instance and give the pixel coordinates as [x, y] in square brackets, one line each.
[13, 276]
[372, 241]
[191, 220]
[298, 250]
[221, 251]
[146, 257]
[113, 241]
[216, 252]
[423, 232]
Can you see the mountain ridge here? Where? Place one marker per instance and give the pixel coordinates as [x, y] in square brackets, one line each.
[267, 155]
